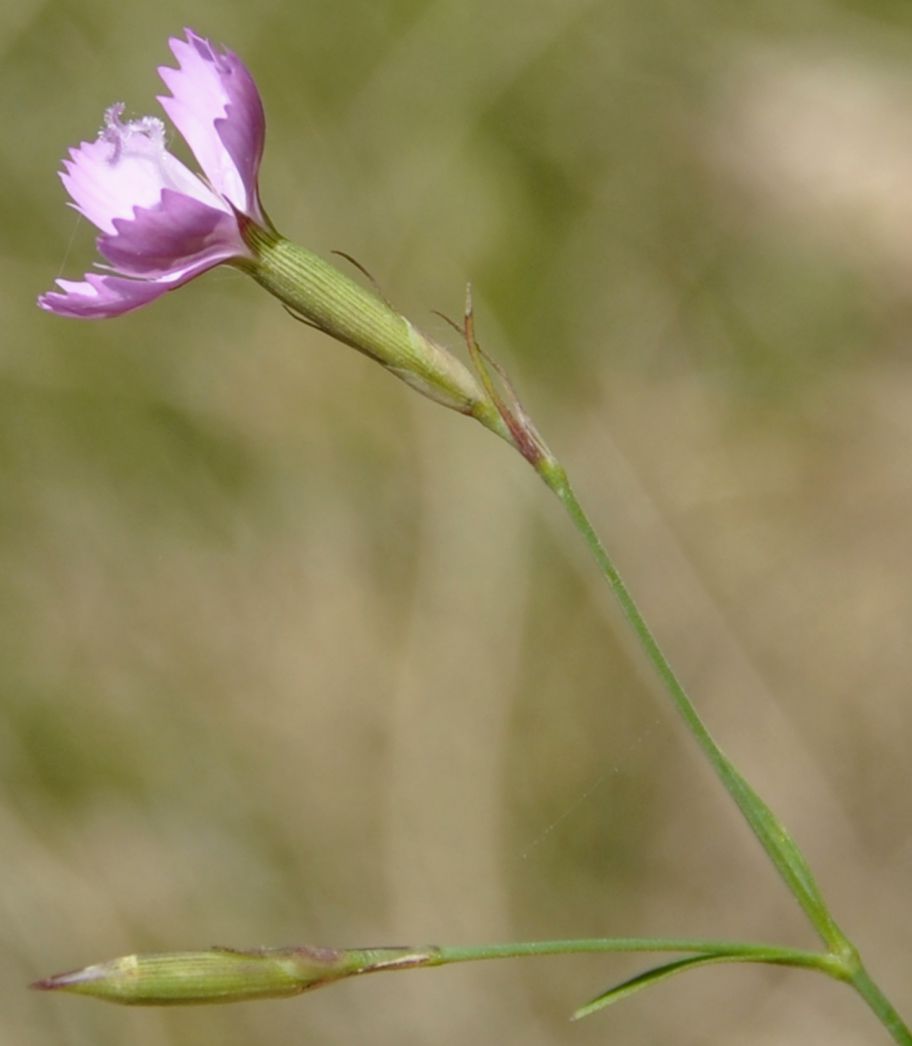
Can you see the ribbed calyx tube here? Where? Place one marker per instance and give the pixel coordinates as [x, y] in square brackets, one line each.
[317, 292]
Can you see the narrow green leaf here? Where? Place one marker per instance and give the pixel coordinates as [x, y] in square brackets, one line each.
[647, 979]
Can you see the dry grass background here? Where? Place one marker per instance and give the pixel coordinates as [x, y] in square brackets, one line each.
[288, 654]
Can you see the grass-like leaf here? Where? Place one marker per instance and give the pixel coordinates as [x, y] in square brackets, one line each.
[645, 980]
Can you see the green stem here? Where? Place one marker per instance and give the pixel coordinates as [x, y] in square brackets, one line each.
[772, 835]
[778, 844]
[881, 1005]
[747, 951]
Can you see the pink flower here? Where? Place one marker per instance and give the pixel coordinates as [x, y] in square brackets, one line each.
[162, 224]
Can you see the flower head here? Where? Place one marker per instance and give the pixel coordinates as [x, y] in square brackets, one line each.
[161, 224]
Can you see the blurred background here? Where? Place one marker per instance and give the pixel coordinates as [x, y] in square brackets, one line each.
[289, 654]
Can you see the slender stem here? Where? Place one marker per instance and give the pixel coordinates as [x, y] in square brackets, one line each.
[776, 841]
[748, 951]
[771, 833]
[881, 1005]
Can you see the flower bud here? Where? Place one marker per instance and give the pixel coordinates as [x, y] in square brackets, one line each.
[216, 975]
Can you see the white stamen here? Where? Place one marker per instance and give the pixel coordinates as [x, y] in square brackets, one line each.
[149, 130]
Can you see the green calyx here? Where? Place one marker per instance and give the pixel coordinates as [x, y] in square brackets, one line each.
[318, 294]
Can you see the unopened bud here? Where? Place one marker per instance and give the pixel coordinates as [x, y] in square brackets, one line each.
[225, 974]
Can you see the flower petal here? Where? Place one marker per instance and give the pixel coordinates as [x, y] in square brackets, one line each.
[126, 167]
[176, 235]
[101, 297]
[215, 105]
